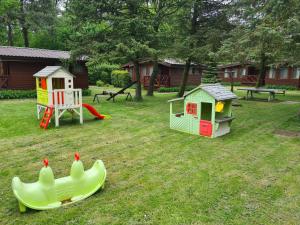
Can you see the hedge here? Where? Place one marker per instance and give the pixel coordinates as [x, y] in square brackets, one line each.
[286, 87]
[17, 94]
[21, 94]
[120, 78]
[175, 89]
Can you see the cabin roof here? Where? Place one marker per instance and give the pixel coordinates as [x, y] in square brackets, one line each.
[169, 62]
[49, 70]
[36, 53]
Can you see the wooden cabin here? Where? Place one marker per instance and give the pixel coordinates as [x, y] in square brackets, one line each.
[206, 111]
[170, 72]
[247, 74]
[17, 65]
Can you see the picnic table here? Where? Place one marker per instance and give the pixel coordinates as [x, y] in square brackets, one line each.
[272, 92]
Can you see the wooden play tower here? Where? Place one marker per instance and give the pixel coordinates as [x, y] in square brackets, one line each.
[56, 93]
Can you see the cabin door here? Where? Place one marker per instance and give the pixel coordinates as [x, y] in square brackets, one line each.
[205, 126]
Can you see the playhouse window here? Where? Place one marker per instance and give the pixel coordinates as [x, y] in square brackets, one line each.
[43, 84]
[191, 108]
[206, 111]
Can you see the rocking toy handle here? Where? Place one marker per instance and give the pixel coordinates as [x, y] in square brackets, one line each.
[77, 157]
[46, 162]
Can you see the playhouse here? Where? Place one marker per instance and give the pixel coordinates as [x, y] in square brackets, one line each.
[207, 111]
[56, 94]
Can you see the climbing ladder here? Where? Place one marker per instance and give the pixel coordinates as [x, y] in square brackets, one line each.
[46, 118]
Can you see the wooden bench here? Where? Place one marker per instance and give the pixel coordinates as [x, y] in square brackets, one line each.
[272, 92]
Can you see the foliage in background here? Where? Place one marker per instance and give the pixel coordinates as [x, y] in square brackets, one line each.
[210, 74]
[20, 94]
[86, 92]
[17, 94]
[120, 78]
[175, 89]
[100, 83]
[100, 71]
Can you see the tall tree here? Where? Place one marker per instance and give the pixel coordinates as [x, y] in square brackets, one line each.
[36, 15]
[8, 16]
[202, 26]
[159, 12]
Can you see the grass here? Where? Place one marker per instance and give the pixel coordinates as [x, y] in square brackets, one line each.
[157, 175]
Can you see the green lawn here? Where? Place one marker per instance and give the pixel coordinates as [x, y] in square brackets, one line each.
[157, 175]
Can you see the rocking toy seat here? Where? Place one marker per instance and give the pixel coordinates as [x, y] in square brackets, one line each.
[48, 193]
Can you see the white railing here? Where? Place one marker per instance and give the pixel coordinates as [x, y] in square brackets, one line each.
[64, 99]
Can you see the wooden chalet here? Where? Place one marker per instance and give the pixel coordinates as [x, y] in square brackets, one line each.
[17, 66]
[247, 74]
[170, 72]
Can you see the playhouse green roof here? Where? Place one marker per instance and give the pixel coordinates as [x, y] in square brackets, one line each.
[217, 91]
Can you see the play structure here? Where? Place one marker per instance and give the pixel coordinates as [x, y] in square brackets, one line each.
[48, 193]
[113, 94]
[207, 111]
[56, 95]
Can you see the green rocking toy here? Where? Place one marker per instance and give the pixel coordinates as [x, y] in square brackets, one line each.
[49, 193]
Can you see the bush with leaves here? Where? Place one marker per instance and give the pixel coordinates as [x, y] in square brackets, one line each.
[100, 83]
[100, 71]
[86, 92]
[120, 78]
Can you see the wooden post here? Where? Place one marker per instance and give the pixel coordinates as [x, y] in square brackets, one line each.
[56, 117]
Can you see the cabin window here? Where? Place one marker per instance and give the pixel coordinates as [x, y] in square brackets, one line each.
[206, 111]
[272, 73]
[191, 108]
[143, 70]
[78, 68]
[226, 73]
[283, 73]
[150, 70]
[243, 72]
[296, 73]
[234, 73]
[192, 71]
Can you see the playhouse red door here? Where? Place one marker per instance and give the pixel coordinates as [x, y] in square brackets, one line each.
[205, 128]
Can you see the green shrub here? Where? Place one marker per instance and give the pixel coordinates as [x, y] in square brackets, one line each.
[286, 87]
[100, 83]
[100, 71]
[120, 78]
[175, 89]
[17, 94]
[86, 92]
[229, 84]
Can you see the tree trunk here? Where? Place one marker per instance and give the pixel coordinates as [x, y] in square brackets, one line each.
[152, 78]
[9, 34]
[185, 77]
[262, 70]
[138, 90]
[23, 24]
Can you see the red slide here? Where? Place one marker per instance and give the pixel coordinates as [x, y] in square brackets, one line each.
[93, 111]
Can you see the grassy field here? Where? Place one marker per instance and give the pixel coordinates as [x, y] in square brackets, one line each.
[157, 175]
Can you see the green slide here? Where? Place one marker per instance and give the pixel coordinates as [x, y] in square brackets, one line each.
[48, 193]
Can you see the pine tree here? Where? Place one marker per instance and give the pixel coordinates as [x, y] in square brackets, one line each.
[210, 74]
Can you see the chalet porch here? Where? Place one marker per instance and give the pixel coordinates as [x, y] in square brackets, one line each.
[162, 80]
